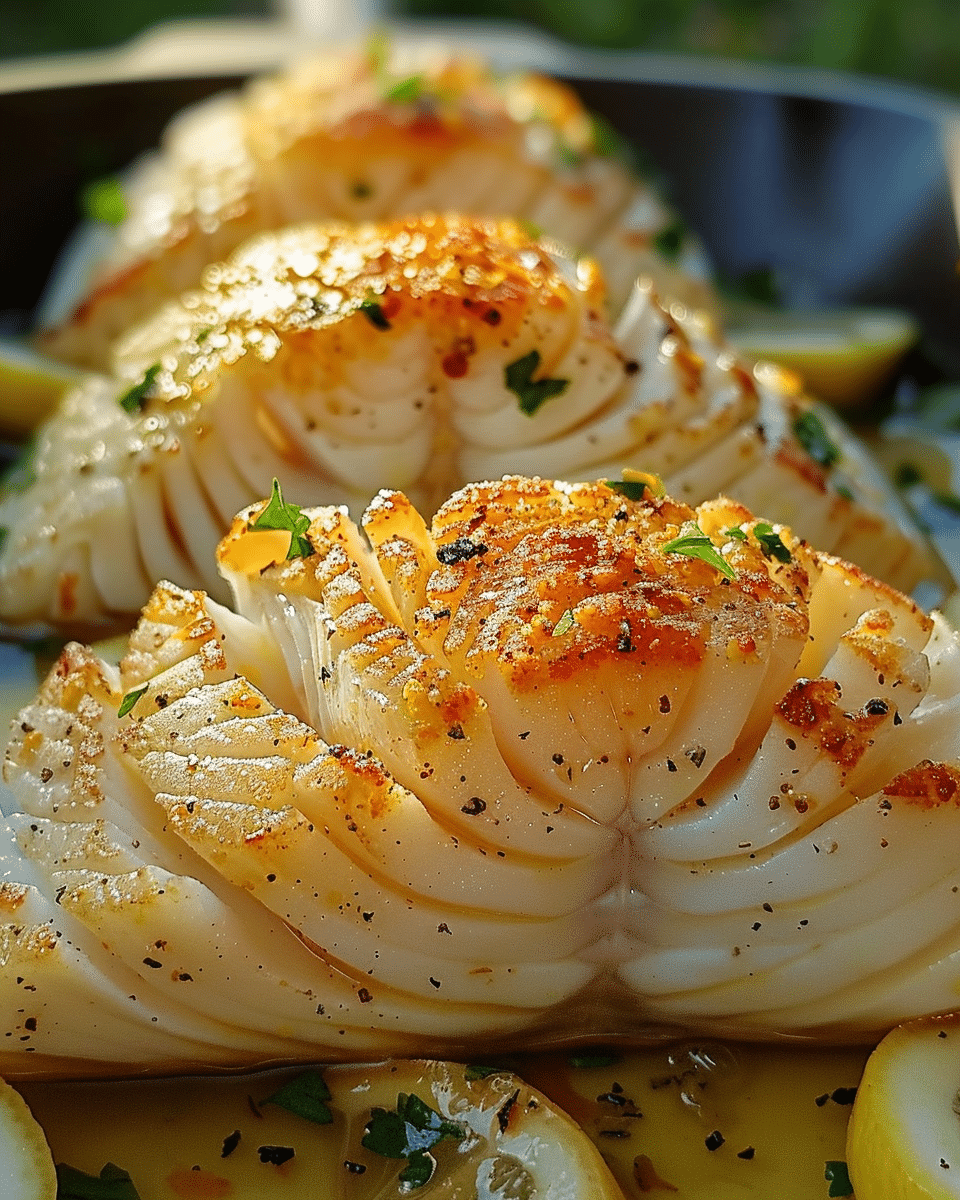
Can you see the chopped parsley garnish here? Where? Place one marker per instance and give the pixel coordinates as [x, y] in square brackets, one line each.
[103, 200]
[767, 539]
[132, 401]
[609, 142]
[518, 377]
[280, 515]
[759, 286]
[813, 437]
[129, 702]
[568, 157]
[477, 1071]
[306, 1096]
[112, 1183]
[634, 486]
[374, 313]
[410, 1131]
[565, 624]
[694, 543]
[770, 542]
[948, 501]
[669, 241]
[836, 1174]
[406, 91]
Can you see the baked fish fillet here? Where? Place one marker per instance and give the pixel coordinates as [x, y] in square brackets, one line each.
[566, 764]
[419, 355]
[367, 134]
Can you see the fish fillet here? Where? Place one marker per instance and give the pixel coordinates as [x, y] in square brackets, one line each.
[572, 761]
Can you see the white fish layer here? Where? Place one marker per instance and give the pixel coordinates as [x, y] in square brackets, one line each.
[566, 764]
[420, 355]
[357, 135]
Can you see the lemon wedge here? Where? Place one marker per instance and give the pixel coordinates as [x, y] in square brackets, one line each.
[903, 1141]
[30, 386]
[26, 1167]
[844, 357]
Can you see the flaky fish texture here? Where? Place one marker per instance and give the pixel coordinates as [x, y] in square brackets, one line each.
[368, 134]
[566, 764]
[419, 355]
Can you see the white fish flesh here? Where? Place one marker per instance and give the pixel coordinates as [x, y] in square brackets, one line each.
[367, 134]
[419, 355]
[565, 764]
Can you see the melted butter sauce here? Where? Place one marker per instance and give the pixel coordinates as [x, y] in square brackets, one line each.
[769, 1114]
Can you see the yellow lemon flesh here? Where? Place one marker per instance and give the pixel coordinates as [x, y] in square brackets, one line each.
[903, 1142]
[30, 386]
[486, 1137]
[26, 1167]
[844, 357]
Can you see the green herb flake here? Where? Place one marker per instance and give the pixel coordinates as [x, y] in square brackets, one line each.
[306, 1096]
[736, 533]
[948, 501]
[129, 702]
[410, 1131]
[694, 543]
[836, 1174]
[844, 491]
[112, 1183]
[477, 1071]
[132, 401]
[406, 91]
[770, 542]
[759, 286]
[601, 1058]
[289, 517]
[103, 200]
[813, 437]
[669, 241]
[518, 377]
[374, 313]
[609, 142]
[567, 157]
[636, 487]
[564, 625]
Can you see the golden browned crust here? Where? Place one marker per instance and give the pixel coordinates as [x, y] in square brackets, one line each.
[476, 281]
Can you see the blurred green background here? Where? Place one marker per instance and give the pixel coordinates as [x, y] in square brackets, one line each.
[917, 41]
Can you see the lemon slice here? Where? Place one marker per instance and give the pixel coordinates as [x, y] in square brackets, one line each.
[393, 1129]
[512, 1141]
[903, 1141]
[844, 357]
[30, 386]
[26, 1167]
